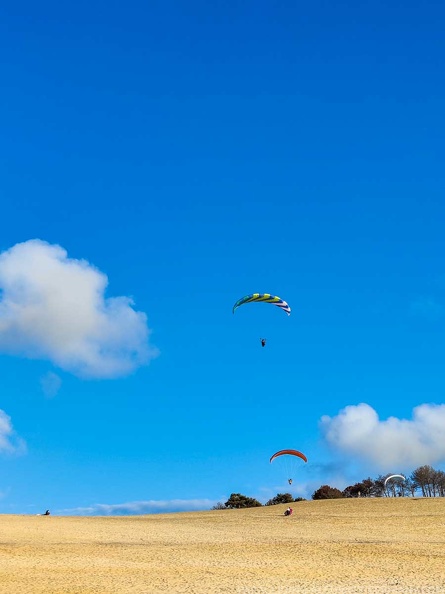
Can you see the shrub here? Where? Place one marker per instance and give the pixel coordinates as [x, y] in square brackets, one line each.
[280, 498]
[237, 501]
[327, 492]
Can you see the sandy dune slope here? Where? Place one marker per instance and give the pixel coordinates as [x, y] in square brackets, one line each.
[344, 546]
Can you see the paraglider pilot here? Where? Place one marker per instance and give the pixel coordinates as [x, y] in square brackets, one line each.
[289, 481]
[263, 342]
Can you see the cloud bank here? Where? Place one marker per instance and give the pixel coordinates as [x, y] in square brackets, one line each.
[53, 307]
[390, 444]
[10, 443]
[134, 508]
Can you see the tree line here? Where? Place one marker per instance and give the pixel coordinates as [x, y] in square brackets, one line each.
[425, 481]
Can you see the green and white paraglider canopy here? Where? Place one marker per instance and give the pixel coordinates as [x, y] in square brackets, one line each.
[263, 298]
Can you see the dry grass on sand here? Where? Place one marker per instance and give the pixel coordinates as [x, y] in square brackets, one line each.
[361, 545]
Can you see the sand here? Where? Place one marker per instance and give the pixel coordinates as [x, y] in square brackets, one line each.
[344, 546]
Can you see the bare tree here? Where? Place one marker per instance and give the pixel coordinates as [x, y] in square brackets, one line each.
[409, 487]
[423, 479]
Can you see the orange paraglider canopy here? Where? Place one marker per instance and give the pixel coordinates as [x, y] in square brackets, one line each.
[290, 453]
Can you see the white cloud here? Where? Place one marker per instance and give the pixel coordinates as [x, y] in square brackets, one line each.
[51, 384]
[134, 508]
[10, 443]
[53, 307]
[392, 443]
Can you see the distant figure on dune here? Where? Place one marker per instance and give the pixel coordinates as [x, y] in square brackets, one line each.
[47, 513]
[289, 511]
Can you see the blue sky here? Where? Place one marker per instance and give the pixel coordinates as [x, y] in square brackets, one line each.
[160, 160]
